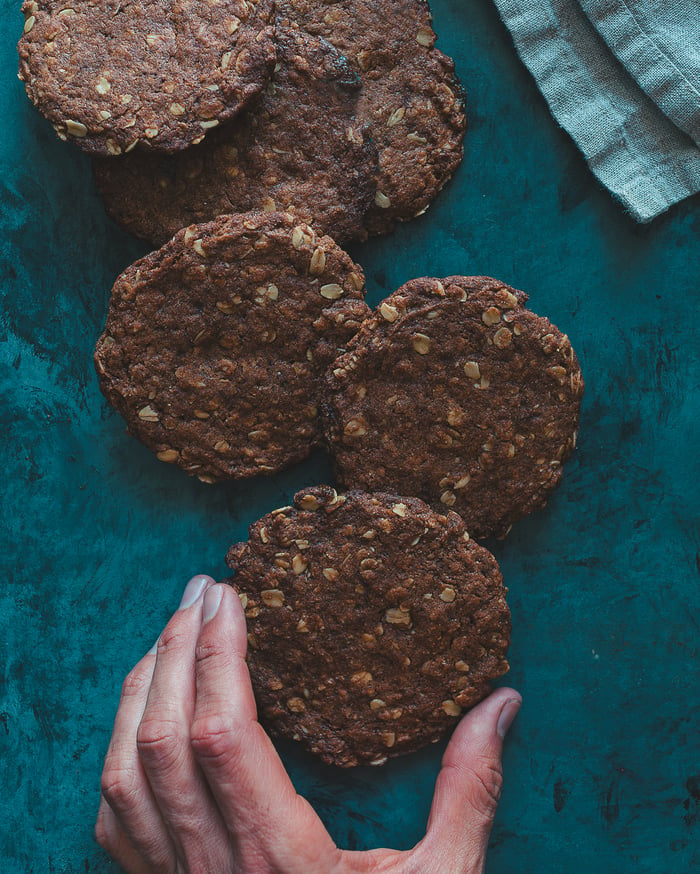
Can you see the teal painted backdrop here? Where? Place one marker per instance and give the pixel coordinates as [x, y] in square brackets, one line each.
[98, 538]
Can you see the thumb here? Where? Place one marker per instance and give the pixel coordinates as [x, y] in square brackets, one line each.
[468, 787]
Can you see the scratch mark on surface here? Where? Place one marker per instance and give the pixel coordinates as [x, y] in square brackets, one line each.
[610, 801]
[561, 794]
[692, 802]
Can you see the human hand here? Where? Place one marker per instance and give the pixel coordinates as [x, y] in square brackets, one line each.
[193, 785]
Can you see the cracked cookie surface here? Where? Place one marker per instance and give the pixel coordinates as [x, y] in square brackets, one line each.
[411, 97]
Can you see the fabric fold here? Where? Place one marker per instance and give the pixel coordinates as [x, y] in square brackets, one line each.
[631, 145]
[658, 43]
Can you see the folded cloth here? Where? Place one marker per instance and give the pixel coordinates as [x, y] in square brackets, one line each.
[622, 77]
[658, 41]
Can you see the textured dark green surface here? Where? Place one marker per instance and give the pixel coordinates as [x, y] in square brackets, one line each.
[98, 538]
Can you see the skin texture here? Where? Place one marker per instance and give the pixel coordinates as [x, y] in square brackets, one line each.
[114, 76]
[301, 147]
[454, 392]
[215, 346]
[191, 783]
[411, 98]
[373, 622]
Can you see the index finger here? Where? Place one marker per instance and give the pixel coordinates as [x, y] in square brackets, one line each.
[246, 776]
[234, 752]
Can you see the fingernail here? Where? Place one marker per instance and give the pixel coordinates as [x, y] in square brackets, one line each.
[154, 649]
[212, 599]
[508, 713]
[193, 590]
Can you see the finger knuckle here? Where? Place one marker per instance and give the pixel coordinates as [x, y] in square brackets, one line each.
[488, 782]
[160, 741]
[210, 650]
[120, 784]
[218, 740]
[174, 636]
[136, 683]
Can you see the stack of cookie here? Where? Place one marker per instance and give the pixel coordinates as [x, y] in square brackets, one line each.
[248, 147]
[342, 113]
